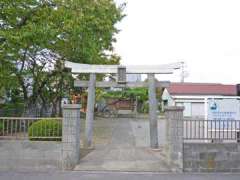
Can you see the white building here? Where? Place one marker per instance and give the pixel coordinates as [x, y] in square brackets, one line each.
[195, 96]
[134, 78]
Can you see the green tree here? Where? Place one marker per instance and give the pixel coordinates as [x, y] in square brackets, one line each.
[36, 36]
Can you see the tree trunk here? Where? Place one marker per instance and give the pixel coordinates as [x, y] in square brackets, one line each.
[60, 107]
[54, 109]
[44, 111]
[31, 109]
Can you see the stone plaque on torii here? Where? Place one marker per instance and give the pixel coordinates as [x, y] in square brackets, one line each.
[121, 72]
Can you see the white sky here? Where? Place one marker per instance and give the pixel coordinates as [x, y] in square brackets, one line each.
[203, 33]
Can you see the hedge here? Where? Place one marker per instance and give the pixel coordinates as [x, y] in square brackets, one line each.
[45, 130]
[1, 127]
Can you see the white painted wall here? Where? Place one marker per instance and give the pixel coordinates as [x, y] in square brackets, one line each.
[197, 109]
[194, 105]
[167, 97]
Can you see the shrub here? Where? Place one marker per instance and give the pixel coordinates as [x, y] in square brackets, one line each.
[11, 110]
[145, 107]
[130, 93]
[45, 130]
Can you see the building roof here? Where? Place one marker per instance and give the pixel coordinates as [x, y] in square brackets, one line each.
[202, 89]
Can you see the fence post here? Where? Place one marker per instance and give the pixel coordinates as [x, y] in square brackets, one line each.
[174, 136]
[70, 136]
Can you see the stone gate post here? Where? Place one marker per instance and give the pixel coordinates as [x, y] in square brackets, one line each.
[70, 136]
[174, 136]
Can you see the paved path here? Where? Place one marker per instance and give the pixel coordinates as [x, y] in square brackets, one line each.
[78, 175]
[123, 145]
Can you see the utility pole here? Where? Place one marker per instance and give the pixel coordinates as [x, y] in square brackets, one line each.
[182, 73]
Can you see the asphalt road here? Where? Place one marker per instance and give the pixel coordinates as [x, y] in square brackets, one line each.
[78, 175]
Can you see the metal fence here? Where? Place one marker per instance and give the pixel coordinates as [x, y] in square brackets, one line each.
[31, 128]
[212, 130]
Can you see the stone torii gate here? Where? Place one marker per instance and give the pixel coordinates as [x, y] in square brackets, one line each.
[121, 72]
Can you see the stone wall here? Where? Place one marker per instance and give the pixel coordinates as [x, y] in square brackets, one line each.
[211, 157]
[25, 155]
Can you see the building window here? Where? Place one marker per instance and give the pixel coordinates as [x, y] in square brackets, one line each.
[165, 102]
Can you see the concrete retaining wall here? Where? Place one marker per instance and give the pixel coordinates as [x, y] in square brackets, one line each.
[44, 155]
[24, 155]
[216, 157]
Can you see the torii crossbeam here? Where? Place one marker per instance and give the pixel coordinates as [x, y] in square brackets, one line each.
[121, 71]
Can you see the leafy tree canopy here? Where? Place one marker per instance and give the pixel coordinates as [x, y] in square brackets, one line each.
[37, 35]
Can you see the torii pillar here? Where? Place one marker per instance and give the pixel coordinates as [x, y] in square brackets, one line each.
[153, 121]
[90, 110]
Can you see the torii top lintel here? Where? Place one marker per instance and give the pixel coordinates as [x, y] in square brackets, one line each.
[77, 68]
